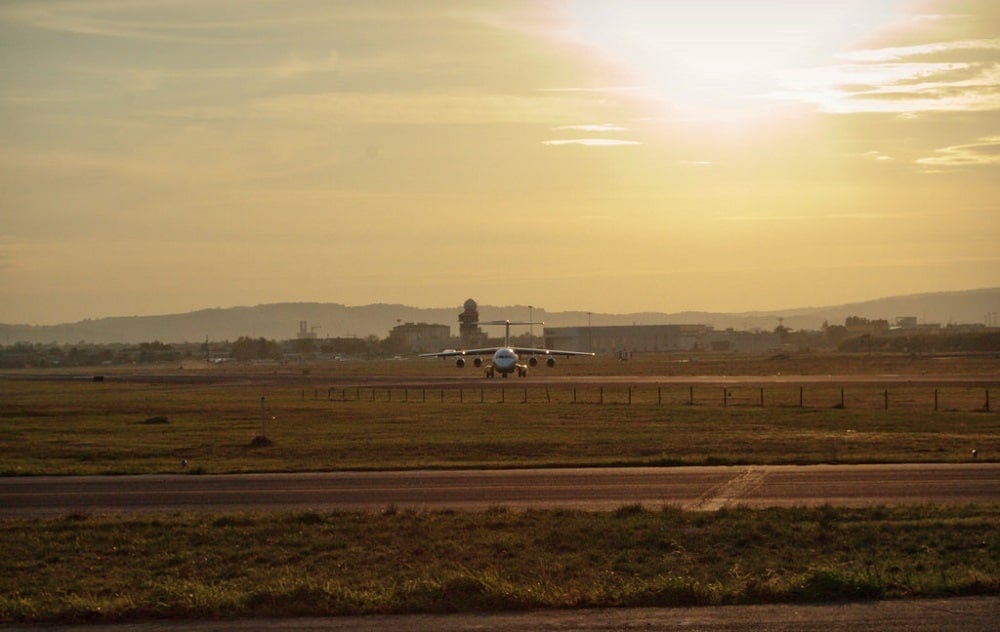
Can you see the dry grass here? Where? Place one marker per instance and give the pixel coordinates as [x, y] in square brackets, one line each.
[60, 425]
[84, 568]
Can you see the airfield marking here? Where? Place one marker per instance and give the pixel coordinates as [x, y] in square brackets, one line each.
[731, 491]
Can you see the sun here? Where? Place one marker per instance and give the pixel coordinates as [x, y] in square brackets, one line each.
[720, 59]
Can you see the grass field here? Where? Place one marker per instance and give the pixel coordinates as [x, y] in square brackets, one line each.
[114, 427]
[89, 567]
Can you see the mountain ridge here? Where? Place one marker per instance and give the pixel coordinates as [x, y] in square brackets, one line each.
[281, 320]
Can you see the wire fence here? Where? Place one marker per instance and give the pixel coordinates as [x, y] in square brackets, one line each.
[864, 397]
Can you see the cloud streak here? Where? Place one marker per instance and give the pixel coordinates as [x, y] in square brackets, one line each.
[591, 142]
[961, 75]
[983, 152]
[602, 127]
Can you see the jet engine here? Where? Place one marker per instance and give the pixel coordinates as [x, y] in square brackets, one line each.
[478, 362]
[551, 362]
[460, 362]
[533, 361]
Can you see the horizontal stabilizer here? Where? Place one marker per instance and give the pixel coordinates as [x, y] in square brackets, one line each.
[507, 322]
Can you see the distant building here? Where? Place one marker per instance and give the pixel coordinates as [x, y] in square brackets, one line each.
[421, 337]
[742, 341]
[628, 339]
[305, 331]
[857, 325]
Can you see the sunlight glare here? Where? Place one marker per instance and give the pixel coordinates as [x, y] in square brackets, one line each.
[718, 59]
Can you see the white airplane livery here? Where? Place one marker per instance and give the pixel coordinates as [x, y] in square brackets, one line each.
[505, 358]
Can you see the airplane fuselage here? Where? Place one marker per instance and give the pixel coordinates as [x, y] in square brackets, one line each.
[505, 362]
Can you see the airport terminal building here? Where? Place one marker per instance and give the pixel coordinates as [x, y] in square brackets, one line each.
[633, 339]
[617, 339]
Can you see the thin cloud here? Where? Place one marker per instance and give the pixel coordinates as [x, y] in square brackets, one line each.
[904, 52]
[983, 152]
[146, 20]
[296, 66]
[877, 156]
[591, 142]
[601, 127]
[696, 163]
[812, 218]
[421, 108]
[962, 75]
[611, 89]
[103, 20]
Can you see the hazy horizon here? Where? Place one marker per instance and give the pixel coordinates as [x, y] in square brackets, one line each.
[540, 310]
[719, 155]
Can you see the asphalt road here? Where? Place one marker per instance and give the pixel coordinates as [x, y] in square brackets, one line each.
[696, 488]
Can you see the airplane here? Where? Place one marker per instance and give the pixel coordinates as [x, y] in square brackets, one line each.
[505, 358]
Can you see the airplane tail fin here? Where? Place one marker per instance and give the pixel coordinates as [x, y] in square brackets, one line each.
[507, 324]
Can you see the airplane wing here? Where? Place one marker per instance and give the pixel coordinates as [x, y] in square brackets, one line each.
[451, 353]
[550, 352]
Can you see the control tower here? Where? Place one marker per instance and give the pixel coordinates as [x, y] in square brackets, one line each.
[469, 331]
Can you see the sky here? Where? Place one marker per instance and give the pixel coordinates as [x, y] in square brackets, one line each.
[165, 156]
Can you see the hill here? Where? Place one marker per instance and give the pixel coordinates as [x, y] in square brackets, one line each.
[280, 321]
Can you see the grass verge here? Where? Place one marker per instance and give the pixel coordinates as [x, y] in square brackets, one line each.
[78, 427]
[100, 568]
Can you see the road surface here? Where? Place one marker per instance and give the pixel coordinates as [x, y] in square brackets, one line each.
[973, 614]
[695, 488]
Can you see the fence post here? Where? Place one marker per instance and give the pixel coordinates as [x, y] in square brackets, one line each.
[987, 400]
[548, 398]
[525, 400]
[842, 397]
[574, 394]
[935, 400]
[630, 395]
[263, 422]
[691, 396]
[886, 396]
[802, 397]
[601, 400]
[761, 396]
[725, 396]
[659, 395]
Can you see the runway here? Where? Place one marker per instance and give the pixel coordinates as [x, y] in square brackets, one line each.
[692, 488]
[963, 614]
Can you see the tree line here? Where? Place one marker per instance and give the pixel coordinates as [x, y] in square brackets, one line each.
[249, 349]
